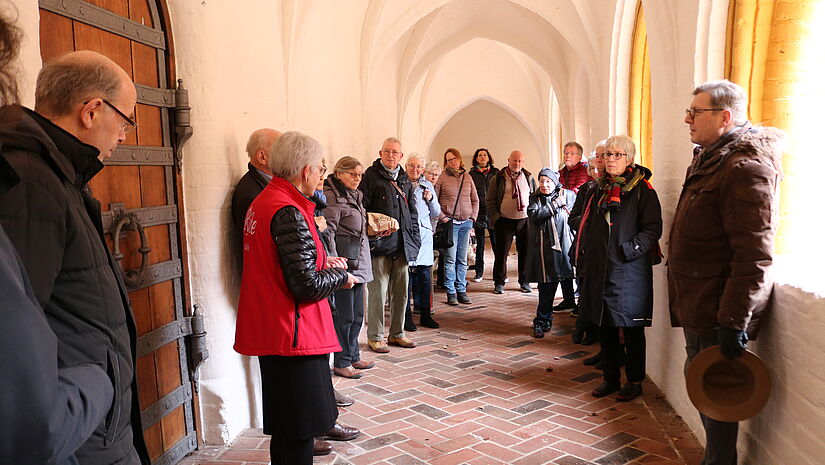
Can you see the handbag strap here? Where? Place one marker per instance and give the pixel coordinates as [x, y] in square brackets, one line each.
[582, 224]
[403, 195]
[458, 196]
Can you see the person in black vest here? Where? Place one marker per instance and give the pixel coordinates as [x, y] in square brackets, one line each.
[84, 106]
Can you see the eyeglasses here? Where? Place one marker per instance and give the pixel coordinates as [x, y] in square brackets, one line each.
[390, 152]
[616, 155]
[354, 174]
[128, 125]
[693, 111]
[322, 170]
[451, 159]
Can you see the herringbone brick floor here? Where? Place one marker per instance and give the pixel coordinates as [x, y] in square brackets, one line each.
[481, 390]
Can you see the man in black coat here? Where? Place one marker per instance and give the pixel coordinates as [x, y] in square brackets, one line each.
[84, 105]
[251, 184]
[388, 190]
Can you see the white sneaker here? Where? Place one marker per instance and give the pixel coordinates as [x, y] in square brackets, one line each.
[477, 279]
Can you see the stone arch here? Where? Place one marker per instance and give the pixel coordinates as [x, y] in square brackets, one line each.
[443, 122]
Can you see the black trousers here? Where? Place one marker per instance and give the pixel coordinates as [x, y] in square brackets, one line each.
[481, 241]
[634, 346]
[504, 230]
[283, 451]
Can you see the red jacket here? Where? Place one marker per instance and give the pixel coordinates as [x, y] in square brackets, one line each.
[270, 321]
[573, 178]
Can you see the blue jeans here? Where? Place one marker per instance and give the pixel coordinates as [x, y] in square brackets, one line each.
[455, 259]
[720, 435]
[544, 310]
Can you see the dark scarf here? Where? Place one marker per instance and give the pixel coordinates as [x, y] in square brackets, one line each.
[612, 187]
[516, 188]
[484, 170]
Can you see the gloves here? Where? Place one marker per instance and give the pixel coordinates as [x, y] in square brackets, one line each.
[732, 342]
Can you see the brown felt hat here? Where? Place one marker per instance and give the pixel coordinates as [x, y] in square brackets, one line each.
[728, 390]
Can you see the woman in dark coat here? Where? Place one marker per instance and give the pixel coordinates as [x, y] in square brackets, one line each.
[283, 314]
[618, 242]
[548, 237]
[482, 172]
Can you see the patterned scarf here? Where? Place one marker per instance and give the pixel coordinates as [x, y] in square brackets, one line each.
[613, 186]
[453, 172]
[516, 189]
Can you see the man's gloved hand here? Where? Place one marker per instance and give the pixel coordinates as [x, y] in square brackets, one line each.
[732, 342]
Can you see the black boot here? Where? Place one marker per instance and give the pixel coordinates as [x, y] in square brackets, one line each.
[409, 324]
[427, 319]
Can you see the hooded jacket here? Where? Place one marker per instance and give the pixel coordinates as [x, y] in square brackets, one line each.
[721, 241]
[380, 196]
[55, 225]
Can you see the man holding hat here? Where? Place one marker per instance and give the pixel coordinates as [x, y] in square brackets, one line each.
[721, 240]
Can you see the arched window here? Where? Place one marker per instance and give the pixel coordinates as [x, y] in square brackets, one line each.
[774, 51]
[639, 116]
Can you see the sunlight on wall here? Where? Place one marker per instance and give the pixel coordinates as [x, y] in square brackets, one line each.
[774, 51]
[639, 114]
[801, 203]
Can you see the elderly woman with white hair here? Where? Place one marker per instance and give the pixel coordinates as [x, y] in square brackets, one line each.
[617, 248]
[421, 268]
[284, 317]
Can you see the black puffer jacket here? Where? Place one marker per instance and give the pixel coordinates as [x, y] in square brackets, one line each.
[381, 197]
[298, 255]
[615, 262]
[482, 181]
[46, 412]
[55, 225]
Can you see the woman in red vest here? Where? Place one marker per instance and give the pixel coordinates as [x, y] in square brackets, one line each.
[284, 317]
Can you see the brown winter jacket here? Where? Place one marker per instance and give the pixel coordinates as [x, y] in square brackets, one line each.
[721, 239]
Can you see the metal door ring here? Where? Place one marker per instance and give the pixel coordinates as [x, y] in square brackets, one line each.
[133, 279]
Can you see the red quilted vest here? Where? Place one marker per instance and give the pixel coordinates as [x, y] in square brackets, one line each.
[270, 322]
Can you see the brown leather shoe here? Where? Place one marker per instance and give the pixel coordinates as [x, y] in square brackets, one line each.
[401, 342]
[348, 372]
[321, 447]
[342, 400]
[340, 432]
[378, 346]
[363, 365]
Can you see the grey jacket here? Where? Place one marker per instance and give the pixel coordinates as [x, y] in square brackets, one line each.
[347, 228]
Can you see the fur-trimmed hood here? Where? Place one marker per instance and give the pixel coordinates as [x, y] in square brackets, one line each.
[764, 142]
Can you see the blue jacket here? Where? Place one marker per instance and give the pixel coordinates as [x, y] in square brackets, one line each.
[425, 223]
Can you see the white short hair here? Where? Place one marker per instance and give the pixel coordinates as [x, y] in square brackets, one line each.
[291, 152]
[625, 143]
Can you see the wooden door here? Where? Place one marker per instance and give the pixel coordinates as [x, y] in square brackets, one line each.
[139, 190]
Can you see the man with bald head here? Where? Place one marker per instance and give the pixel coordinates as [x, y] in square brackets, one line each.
[84, 106]
[507, 199]
[252, 183]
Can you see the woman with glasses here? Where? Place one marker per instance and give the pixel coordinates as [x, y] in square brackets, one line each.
[347, 227]
[459, 203]
[617, 248]
[283, 315]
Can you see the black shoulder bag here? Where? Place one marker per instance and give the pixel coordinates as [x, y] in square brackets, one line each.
[443, 237]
